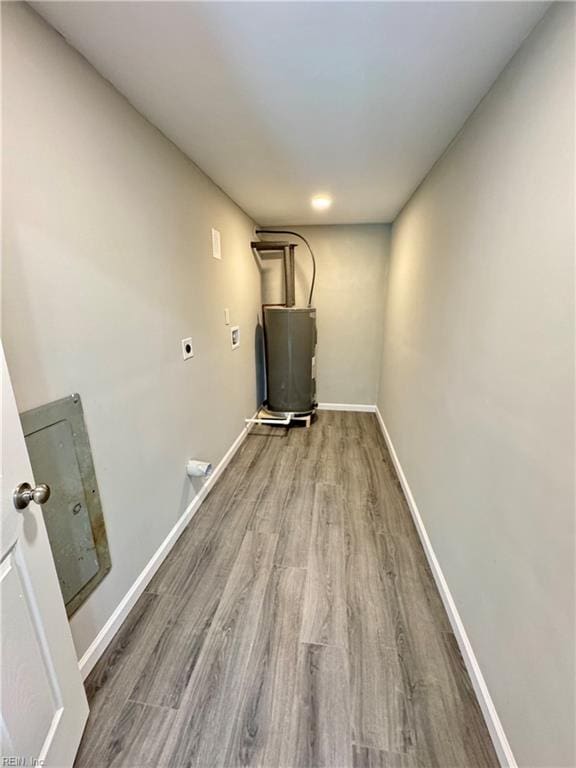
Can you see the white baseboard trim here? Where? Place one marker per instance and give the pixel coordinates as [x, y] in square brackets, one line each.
[104, 637]
[347, 407]
[497, 734]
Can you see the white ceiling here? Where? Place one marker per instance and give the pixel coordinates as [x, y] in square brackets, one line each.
[276, 101]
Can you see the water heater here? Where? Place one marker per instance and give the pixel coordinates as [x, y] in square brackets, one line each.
[290, 339]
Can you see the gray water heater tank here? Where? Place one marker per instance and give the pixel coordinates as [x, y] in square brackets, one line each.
[290, 335]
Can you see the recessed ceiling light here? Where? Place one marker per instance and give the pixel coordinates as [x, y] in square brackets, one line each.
[321, 202]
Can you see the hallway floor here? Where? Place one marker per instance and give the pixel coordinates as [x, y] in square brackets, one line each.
[295, 623]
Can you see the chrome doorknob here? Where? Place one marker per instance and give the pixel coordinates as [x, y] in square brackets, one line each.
[24, 494]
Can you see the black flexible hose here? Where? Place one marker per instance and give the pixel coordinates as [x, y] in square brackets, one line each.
[296, 234]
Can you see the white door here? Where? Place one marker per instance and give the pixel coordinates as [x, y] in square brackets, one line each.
[43, 707]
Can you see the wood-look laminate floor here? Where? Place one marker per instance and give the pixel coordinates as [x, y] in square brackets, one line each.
[295, 623]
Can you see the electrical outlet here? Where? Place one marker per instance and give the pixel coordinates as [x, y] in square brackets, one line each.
[187, 348]
[226, 316]
[235, 336]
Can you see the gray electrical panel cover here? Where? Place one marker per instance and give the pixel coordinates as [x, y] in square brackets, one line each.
[60, 454]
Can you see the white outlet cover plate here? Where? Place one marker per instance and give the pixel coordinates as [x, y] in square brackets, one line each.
[235, 336]
[216, 249]
[187, 348]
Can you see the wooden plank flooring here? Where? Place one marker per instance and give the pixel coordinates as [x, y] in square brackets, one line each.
[295, 623]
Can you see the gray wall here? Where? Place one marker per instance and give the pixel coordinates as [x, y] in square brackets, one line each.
[107, 265]
[477, 386]
[352, 263]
